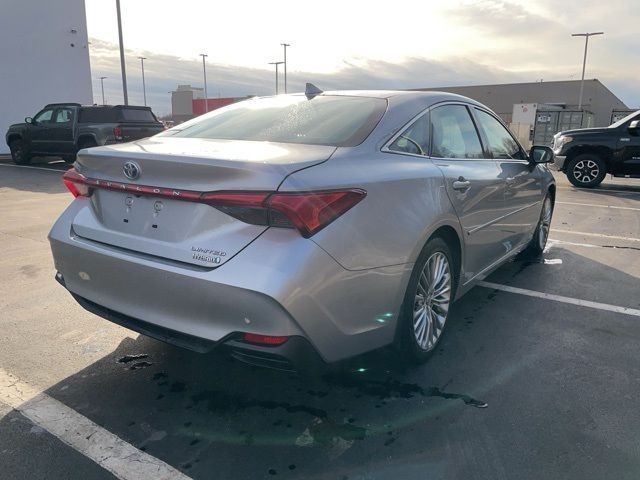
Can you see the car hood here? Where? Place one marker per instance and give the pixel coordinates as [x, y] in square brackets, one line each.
[586, 131]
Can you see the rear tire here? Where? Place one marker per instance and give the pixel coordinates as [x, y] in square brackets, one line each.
[427, 302]
[586, 170]
[541, 234]
[19, 152]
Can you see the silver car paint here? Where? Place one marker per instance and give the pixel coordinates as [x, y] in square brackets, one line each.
[342, 289]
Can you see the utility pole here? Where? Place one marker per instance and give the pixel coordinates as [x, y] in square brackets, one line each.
[122, 67]
[285, 45]
[204, 72]
[276, 64]
[144, 87]
[584, 60]
[102, 86]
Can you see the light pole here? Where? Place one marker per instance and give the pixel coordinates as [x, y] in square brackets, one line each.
[122, 68]
[285, 45]
[204, 72]
[276, 64]
[102, 86]
[584, 60]
[144, 87]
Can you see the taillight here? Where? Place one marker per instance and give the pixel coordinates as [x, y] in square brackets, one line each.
[270, 340]
[308, 212]
[75, 183]
[117, 132]
[312, 211]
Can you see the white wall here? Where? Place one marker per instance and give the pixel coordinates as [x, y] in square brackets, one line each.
[38, 64]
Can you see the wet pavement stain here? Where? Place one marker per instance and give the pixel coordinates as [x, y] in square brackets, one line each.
[131, 358]
[386, 389]
[223, 401]
[140, 365]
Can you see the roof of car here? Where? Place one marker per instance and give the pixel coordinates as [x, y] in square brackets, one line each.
[404, 96]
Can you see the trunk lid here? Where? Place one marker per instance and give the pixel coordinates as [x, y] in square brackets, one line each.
[175, 229]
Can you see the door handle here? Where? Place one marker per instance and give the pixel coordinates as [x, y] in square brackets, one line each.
[461, 184]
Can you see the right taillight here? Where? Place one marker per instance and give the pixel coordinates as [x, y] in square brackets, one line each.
[308, 212]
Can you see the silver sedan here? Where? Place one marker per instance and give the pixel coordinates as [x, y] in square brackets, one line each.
[302, 229]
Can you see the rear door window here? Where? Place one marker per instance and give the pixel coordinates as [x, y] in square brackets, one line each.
[63, 115]
[453, 133]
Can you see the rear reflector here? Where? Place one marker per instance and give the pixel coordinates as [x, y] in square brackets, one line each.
[308, 212]
[263, 339]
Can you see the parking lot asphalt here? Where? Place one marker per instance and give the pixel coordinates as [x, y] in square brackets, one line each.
[524, 385]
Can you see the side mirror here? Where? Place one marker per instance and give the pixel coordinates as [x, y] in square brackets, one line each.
[634, 127]
[29, 120]
[541, 154]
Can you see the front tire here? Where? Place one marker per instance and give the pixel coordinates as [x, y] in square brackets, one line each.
[541, 235]
[19, 153]
[427, 302]
[586, 170]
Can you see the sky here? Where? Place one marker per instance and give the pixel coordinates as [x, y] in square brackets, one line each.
[358, 44]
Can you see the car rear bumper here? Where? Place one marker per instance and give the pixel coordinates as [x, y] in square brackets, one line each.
[281, 284]
[296, 354]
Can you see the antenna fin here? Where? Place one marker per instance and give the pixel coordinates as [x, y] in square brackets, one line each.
[311, 90]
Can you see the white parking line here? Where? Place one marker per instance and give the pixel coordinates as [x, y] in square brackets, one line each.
[599, 235]
[109, 451]
[560, 298]
[33, 168]
[581, 190]
[601, 206]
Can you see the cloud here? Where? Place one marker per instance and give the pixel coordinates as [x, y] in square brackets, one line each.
[164, 72]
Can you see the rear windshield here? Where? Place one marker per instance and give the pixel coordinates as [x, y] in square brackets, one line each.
[339, 121]
[115, 115]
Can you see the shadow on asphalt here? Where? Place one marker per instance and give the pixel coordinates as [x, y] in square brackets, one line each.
[542, 369]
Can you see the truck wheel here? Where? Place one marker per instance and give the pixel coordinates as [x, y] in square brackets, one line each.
[19, 153]
[586, 170]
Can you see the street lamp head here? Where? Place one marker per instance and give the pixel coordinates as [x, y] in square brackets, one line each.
[142, 58]
[203, 55]
[588, 34]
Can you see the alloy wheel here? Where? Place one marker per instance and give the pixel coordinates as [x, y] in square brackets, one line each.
[586, 171]
[545, 223]
[432, 299]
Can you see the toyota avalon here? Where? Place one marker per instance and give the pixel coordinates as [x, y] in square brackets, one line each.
[302, 229]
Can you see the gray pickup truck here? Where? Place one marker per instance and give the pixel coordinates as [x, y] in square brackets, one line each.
[61, 129]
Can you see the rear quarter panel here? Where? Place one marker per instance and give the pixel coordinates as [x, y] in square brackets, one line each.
[406, 201]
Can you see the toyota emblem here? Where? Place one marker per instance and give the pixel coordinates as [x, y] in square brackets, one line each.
[131, 170]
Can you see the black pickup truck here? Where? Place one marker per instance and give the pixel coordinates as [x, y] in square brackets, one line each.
[61, 129]
[588, 154]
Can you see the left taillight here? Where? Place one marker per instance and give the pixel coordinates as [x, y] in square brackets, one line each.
[117, 132]
[75, 183]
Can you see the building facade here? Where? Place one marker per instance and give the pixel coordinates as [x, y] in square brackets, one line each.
[597, 98]
[188, 102]
[44, 56]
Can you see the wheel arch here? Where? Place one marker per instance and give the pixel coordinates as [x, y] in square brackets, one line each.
[86, 137]
[452, 238]
[602, 151]
[13, 137]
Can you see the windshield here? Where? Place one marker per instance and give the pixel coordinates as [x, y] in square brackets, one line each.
[340, 121]
[625, 120]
